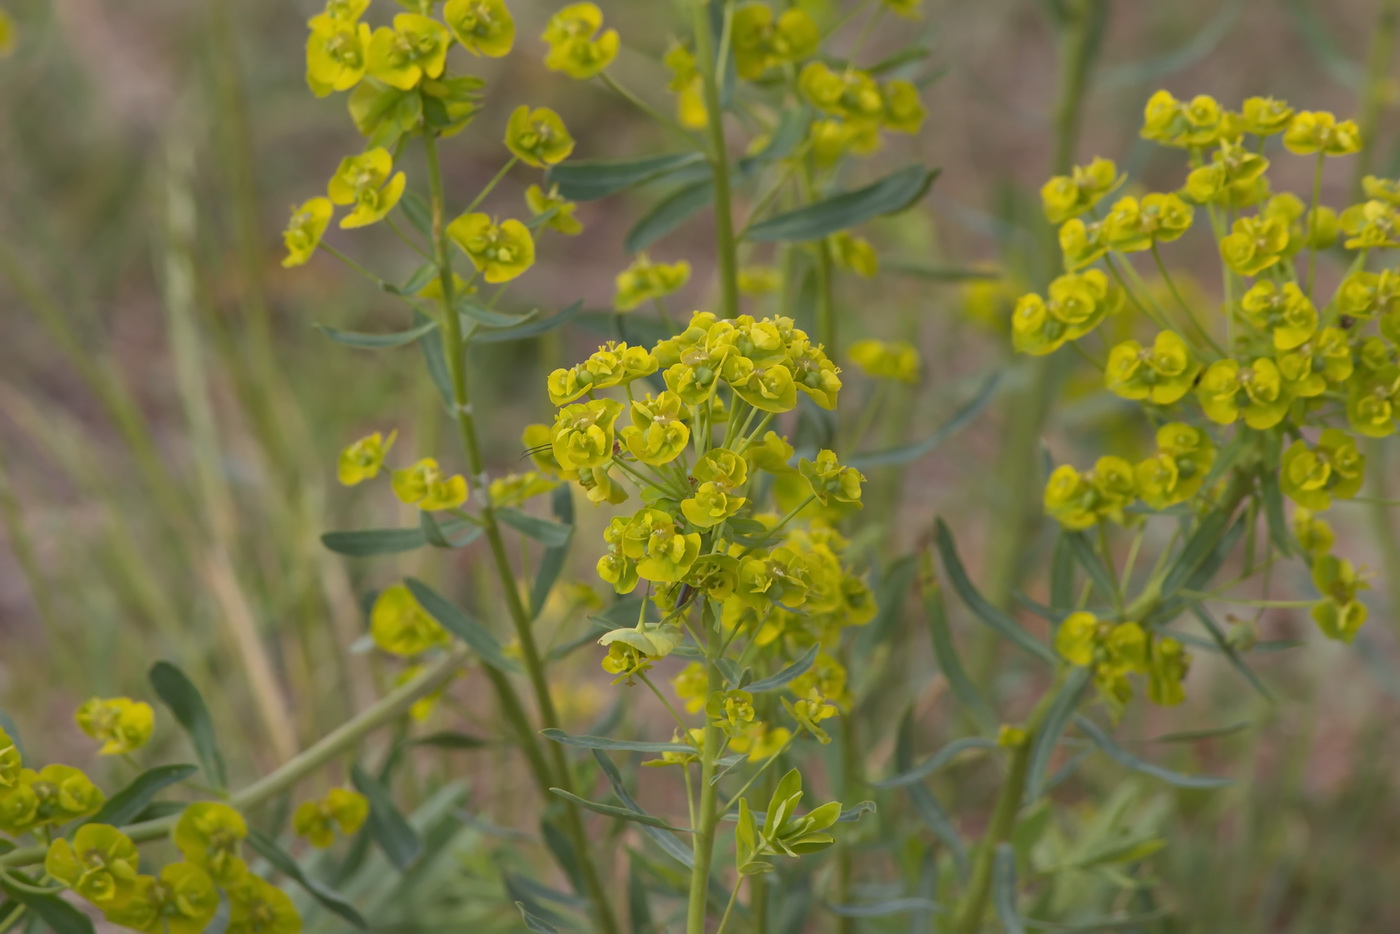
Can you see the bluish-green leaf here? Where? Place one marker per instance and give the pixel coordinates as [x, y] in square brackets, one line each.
[668, 842]
[918, 270]
[491, 318]
[945, 651]
[1230, 652]
[330, 899]
[934, 762]
[603, 742]
[891, 194]
[377, 341]
[1047, 737]
[785, 677]
[1004, 889]
[456, 621]
[908, 453]
[418, 211]
[1083, 551]
[419, 280]
[448, 739]
[1120, 755]
[892, 906]
[590, 180]
[452, 533]
[184, 700]
[435, 359]
[363, 543]
[555, 558]
[126, 805]
[615, 811]
[59, 916]
[395, 837]
[1003, 624]
[669, 214]
[531, 328]
[546, 531]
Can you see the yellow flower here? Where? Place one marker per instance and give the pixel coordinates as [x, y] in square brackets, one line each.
[1066, 196]
[7, 34]
[854, 253]
[182, 900]
[688, 86]
[830, 481]
[10, 764]
[317, 821]
[759, 280]
[516, 488]
[54, 795]
[305, 229]
[484, 27]
[100, 864]
[362, 460]
[1266, 116]
[365, 182]
[121, 724]
[1161, 375]
[342, 11]
[538, 137]
[335, 54]
[424, 485]
[762, 42]
[644, 281]
[1319, 131]
[259, 907]
[400, 626]
[415, 48]
[1255, 243]
[210, 834]
[1133, 225]
[560, 211]
[500, 251]
[896, 360]
[575, 47]
[1227, 388]
[663, 552]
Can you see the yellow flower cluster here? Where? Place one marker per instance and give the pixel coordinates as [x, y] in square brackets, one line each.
[1301, 372]
[1116, 650]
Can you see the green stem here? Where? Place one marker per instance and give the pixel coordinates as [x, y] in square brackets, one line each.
[1181, 302]
[455, 348]
[707, 811]
[968, 920]
[733, 897]
[719, 159]
[481, 196]
[385, 710]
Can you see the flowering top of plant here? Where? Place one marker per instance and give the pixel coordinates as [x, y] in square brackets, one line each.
[1270, 391]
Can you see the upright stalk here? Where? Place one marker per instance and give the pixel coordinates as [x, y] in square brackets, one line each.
[973, 907]
[455, 348]
[706, 813]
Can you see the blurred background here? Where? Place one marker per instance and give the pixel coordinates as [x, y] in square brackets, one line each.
[170, 416]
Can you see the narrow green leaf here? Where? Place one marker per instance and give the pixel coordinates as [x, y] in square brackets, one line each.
[554, 559]
[534, 922]
[621, 813]
[892, 906]
[363, 543]
[891, 194]
[666, 840]
[330, 899]
[1230, 652]
[491, 318]
[908, 453]
[1191, 736]
[1003, 624]
[590, 180]
[1120, 755]
[564, 854]
[456, 621]
[1204, 37]
[546, 531]
[945, 651]
[395, 837]
[926, 806]
[452, 533]
[669, 214]
[184, 700]
[435, 359]
[61, 917]
[1051, 729]
[855, 812]
[934, 762]
[1004, 890]
[126, 805]
[1083, 551]
[534, 327]
[1196, 551]
[419, 280]
[377, 341]
[638, 907]
[602, 742]
[1269, 490]
[785, 677]
[1062, 597]
[418, 211]
[447, 739]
